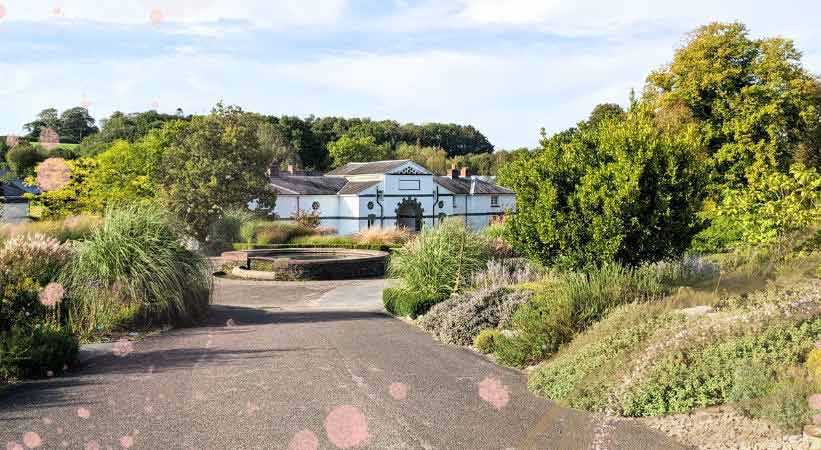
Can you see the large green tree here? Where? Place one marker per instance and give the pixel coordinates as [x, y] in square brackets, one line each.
[624, 191]
[357, 149]
[212, 163]
[751, 99]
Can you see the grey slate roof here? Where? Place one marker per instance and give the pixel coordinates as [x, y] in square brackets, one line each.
[12, 187]
[355, 187]
[369, 168]
[463, 185]
[307, 185]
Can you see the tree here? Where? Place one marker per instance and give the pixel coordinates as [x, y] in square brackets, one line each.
[75, 124]
[24, 157]
[750, 98]
[272, 139]
[623, 191]
[357, 149]
[212, 163]
[48, 118]
[605, 111]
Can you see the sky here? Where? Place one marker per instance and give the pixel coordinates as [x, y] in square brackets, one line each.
[507, 67]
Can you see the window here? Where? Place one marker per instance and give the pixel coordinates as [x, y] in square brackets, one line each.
[494, 201]
[442, 217]
[409, 185]
[454, 202]
[315, 206]
[371, 220]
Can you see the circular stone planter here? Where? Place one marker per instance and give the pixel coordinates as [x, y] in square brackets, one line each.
[308, 264]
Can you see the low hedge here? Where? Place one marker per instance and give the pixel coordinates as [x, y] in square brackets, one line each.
[383, 248]
[400, 302]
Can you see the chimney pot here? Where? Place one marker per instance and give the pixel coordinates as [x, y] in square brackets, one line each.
[465, 172]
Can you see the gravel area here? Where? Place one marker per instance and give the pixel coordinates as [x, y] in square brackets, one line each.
[721, 427]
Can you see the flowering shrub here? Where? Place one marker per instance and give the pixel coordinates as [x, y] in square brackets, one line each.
[459, 320]
[27, 264]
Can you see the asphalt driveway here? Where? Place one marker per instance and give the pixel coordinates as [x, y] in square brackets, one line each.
[299, 366]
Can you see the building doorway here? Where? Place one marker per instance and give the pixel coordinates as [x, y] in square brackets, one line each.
[409, 215]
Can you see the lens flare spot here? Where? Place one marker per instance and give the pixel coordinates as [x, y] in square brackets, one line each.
[32, 440]
[346, 427]
[304, 440]
[126, 442]
[53, 174]
[156, 16]
[13, 445]
[494, 392]
[123, 348]
[49, 139]
[399, 391]
[92, 445]
[83, 413]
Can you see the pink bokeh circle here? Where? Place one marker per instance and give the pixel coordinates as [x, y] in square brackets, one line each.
[494, 392]
[304, 440]
[83, 413]
[32, 440]
[399, 391]
[346, 427]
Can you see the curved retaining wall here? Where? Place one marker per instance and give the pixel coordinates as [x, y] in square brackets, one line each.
[340, 264]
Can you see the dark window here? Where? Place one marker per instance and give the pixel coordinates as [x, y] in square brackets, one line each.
[442, 216]
[371, 220]
[441, 204]
[494, 201]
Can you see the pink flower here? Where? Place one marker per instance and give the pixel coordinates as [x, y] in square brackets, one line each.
[123, 348]
[494, 392]
[304, 440]
[83, 413]
[399, 391]
[126, 441]
[12, 445]
[52, 294]
[32, 440]
[346, 427]
[53, 174]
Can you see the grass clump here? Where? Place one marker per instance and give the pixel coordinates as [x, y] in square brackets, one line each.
[383, 236]
[74, 228]
[441, 260]
[404, 303]
[485, 341]
[318, 241]
[135, 266]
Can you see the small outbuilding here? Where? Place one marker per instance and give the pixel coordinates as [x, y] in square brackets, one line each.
[385, 194]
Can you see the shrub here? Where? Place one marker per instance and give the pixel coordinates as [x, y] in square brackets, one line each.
[136, 262]
[623, 191]
[401, 302]
[274, 232]
[687, 270]
[382, 236]
[506, 272]
[228, 226]
[787, 405]
[27, 264]
[308, 219]
[459, 320]
[485, 341]
[35, 351]
[24, 157]
[570, 305]
[441, 260]
[752, 380]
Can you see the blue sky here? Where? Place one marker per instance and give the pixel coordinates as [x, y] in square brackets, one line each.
[508, 67]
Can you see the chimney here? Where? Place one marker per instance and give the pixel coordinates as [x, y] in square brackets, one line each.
[454, 172]
[465, 172]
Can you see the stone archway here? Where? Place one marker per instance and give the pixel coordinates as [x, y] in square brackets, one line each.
[409, 214]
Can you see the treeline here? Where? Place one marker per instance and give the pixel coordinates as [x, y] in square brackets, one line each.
[311, 143]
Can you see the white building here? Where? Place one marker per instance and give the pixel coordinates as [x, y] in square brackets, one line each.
[385, 194]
